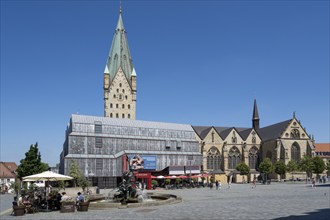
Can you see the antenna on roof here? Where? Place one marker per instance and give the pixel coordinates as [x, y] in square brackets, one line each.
[120, 7]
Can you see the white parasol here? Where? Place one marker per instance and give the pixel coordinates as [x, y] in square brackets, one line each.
[47, 175]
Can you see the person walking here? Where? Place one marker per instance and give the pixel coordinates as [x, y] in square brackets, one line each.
[216, 185]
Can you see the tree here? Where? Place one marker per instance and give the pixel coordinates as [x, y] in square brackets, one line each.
[266, 167]
[78, 177]
[306, 164]
[32, 163]
[280, 168]
[243, 169]
[291, 167]
[319, 165]
[75, 172]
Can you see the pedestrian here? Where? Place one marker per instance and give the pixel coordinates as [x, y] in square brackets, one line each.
[313, 182]
[216, 185]
[254, 182]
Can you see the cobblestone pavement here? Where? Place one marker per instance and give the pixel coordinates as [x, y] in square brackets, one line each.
[275, 201]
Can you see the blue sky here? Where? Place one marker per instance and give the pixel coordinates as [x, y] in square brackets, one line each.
[197, 62]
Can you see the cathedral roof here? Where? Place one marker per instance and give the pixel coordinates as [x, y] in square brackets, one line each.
[119, 55]
[273, 131]
[202, 131]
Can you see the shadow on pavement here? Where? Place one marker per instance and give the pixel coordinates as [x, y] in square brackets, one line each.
[322, 214]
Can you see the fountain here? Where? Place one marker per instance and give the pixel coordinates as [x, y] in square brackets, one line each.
[129, 195]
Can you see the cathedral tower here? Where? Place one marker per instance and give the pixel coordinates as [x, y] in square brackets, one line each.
[119, 77]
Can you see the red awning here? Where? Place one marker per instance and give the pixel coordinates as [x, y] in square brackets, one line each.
[182, 177]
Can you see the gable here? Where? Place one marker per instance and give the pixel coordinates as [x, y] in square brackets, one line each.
[294, 130]
[233, 137]
[213, 136]
[119, 83]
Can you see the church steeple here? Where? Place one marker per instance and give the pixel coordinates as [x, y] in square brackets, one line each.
[119, 77]
[255, 117]
[119, 55]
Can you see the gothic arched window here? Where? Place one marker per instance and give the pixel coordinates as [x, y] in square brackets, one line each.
[234, 157]
[213, 159]
[295, 152]
[253, 157]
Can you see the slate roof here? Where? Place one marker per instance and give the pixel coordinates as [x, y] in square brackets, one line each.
[273, 131]
[244, 132]
[223, 131]
[202, 131]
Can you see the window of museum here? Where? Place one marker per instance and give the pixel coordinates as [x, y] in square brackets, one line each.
[98, 127]
[213, 159]
[110, 105]
[116, 105]
[233, 158]
[129, 116]
[99, 164]
[117, 116]
[123, 106]
[129, 106]
[98, 142]
[123, 115]
[110, 115]
[295, 152]
[253, 157]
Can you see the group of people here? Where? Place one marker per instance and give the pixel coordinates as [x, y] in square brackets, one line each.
[64, 197]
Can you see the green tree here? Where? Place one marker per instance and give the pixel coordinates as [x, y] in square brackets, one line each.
[75, 172]
[280, 168]
[243, 169]
[32, 163]
[291, 167]
[78, 177]
[266, 167]
[319, 165]
[306, 164]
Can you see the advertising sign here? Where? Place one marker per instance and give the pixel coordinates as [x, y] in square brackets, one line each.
[146, 162]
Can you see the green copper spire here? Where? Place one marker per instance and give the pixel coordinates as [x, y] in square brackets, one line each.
[119, 55]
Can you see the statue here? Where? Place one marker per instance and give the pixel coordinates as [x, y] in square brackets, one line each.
[127, 188]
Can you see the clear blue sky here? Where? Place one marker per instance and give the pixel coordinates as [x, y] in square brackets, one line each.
[197, 62]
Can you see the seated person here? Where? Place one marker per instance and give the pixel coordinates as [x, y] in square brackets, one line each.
[64, 197]
[20, 200]
[80, 198]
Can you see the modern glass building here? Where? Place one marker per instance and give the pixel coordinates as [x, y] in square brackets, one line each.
[100, 146]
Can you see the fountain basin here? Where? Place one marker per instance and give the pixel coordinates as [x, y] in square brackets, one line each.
[156, 199]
